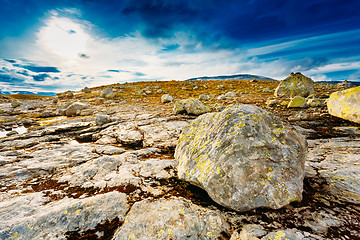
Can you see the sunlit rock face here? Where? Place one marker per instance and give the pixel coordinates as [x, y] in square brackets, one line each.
[175, 218]
[295, 85]
[345, 104]
[244, 157]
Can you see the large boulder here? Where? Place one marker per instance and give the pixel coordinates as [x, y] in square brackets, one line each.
[190, 106]
[174, 218]
[244, 157]
[345, 104]
[295, 85]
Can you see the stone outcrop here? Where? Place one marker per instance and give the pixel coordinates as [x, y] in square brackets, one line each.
[190, 106]
[345, 104]
[54, 220]
[295, 85]
[78, 178]
[244, 157]
[175, 218]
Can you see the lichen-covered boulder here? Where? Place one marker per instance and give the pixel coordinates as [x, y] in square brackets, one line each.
[175, 218]
[345, 104]
[297, 102]
[190, 106]
[295, 85]
[244, 157]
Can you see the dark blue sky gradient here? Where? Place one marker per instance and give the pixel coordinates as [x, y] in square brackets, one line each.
[325, 32]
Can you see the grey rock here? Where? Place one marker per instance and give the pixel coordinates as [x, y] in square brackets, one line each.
[336, 161]
[190, 106]
[107, 93]
[75, 109]
[244, 157]
[166, 98]
[175, 218]
[108, 150]
[15, 104]
[204, 97]
[24, 220]
[86, 90]
[102, 119]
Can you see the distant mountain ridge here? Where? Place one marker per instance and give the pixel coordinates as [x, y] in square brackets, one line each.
[234, 77]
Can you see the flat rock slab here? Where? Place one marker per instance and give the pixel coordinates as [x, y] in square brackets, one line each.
[337, 161]
[175, 218]
[244, 157]
[22, 218]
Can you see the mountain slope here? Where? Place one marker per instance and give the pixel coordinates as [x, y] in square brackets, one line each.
[234, 77]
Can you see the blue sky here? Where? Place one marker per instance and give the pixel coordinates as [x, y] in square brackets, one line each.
[49, 46]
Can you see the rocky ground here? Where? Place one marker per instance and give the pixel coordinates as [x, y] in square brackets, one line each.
[99, 164]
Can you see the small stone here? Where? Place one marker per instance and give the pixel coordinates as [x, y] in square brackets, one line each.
[313, 102]
[190, 106]
[102, 119]
[86, 90]
[204, 97]
[15, 104]
[272, 102]
[107, 93]
[166, 98]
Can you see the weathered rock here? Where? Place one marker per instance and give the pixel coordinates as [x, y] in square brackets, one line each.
[190, 106]
[102, 119]
[257, 232]
[87, 112]
[107, 93]
[86, 90]
[339, 167]
[295, 85]
[175, 218]
[129, 135]
[314, 102]
[108, 150]
[272, 102]
[345, 104]
[75, 109]
[297, 102]
[166, 98]
[204, 97]
[15, 104]
[26, 220]
[48, 113]
[244, 157]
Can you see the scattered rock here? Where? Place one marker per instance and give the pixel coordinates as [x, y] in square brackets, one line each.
[86, 90]
[75, 109]
[244, 157]
[345, 104]
[190, 106]
[272, 102]
[102, 119]
[174, 218]
[166, 98]
[15, 104]
[107, 93]
[295, 85]
[204, 97]
[313, 102]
